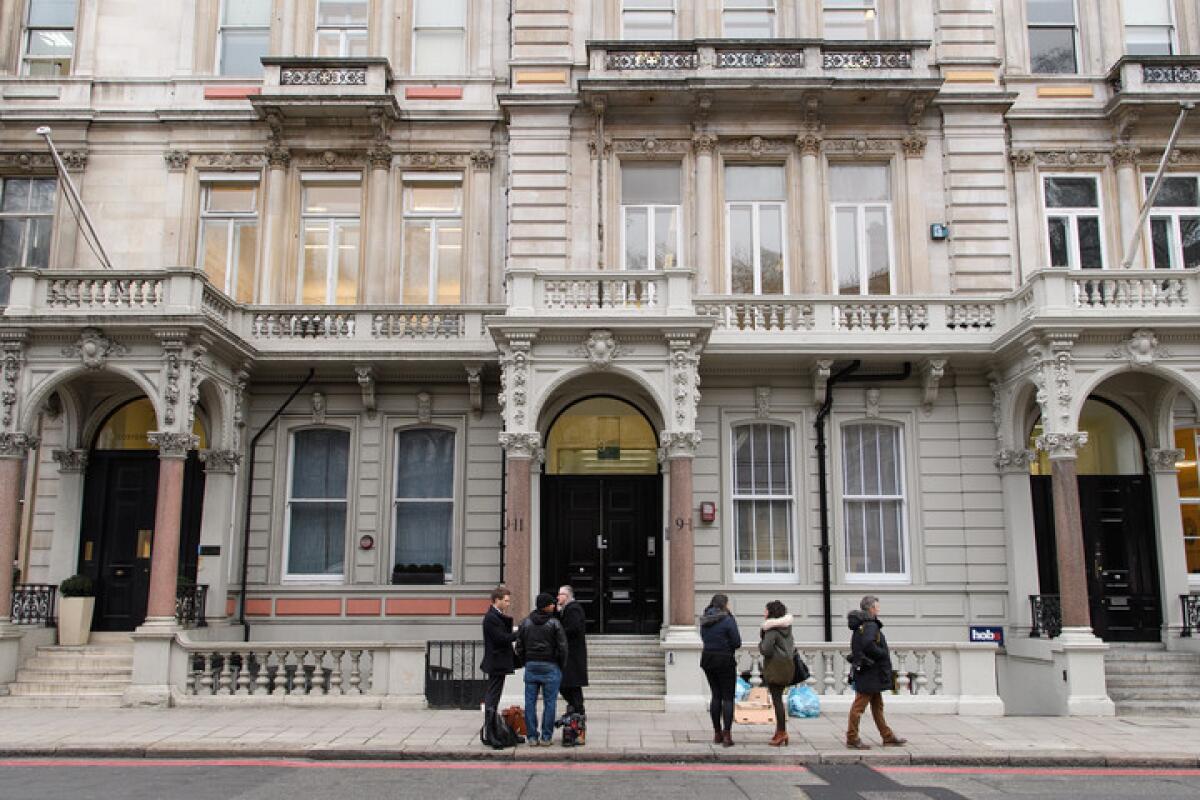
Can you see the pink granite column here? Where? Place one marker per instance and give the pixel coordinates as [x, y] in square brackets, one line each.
[164, 555]
[13, 449]
[517, 504]
[683, 551]
[1068, 538]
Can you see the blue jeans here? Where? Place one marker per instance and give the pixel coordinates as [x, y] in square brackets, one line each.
[544, 675]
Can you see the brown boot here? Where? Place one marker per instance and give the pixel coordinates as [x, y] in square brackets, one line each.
[780, 739]
[857, 744]
[718, 737]
[894, 741]
[727, 739]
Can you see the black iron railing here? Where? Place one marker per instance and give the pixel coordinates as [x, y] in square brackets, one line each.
[452, 676]
[1046, 613]
[33, 604]
[1191, 613]
[189, 605]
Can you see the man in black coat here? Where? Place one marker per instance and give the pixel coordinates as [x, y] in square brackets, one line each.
[871, 664]
[575, 673]
[498, 638]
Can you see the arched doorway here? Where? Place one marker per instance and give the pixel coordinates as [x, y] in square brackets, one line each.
[1116, 510]
[601, 528]
[119, 499]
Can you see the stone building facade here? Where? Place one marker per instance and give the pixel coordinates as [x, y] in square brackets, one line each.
[782, 299]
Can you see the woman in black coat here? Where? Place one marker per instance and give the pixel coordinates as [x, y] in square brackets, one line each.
[721, 637]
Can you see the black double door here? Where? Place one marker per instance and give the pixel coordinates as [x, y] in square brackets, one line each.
[1119, 552]
[117, 532]
[603, 536]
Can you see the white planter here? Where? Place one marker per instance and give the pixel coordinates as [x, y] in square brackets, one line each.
[75, 620]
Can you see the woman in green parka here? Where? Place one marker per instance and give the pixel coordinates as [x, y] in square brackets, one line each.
[777, 645]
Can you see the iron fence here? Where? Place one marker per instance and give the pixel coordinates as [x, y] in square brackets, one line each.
[189, 605]
[452, 675]
[34, 604]
[1046, 612]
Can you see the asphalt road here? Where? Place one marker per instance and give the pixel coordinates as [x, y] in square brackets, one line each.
[146, 779]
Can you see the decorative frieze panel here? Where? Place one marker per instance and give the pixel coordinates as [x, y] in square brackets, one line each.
[177, 160]
[1014, 461]
[866, 59]
[1053, 375]
[323, 76]
[651, 145]
[73, 160]
[685, 378]
[859, 146]
[514, 378]
[652, 60]
[220, 461]
[173, 445]
[521, 445]
[1072, 158]
[71, 462]
[1062, 445]
[760, 59]
[434, 160]
[93, 348]
[758, 145]
[1141, 349]
[1163, 460]
[601, 349]
[17, 445]
[231, 161]
[1170, 74]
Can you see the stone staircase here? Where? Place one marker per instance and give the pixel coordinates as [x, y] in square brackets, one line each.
[94, 675]
[1146, 679]
[625, 673]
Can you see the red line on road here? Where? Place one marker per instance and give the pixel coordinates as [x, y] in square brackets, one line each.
[574, 766]
[1136, 772]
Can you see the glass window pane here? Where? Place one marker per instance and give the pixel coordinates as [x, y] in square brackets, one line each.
[637, 221]
[1052, 51]
[879, 268]
[1189, 480]
[770, 235]
[1071, 193]
[781, 536]
[449, 263]
[873, 535]
[856, 551]
[1146, 12]
[852, 459]
[666, 238]
[761, 449]
[11, 232]
[231, 197]
[650, 183]
[247, 12]
[423, 533]
[1089, 243]
[781, 460]
[432, 198]
[42, 194]
[245, 254]
[425, 463]
[316, 542]
[743, 454]
[51, 43]
[356, 43]
[319, 463]
[418, 236]
[51, 13]
[1051, 11]
[1176, 192]
[332, 198]
[649, 25]
[16, 195]
[741, 250]
[892, 538]
[870, 458]
[848, 25]
[313, 283]
[214, 248]
[846, 231]
[743, 521]
[241, 51]
[859, 183]
[889, 460]
[1148, 41]
[439, 52]
[758, 183]
[329, 43]
[749, 24]
[1189, 228]
[446, 13]
[342, 12]
[1160, 241]
[346, 290]
[1057, 231]
[38, 245]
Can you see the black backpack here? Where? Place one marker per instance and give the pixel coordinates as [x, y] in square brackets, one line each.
[497, 734]
[572, 725]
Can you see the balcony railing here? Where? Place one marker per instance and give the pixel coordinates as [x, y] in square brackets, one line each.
[33, 604]
[1164, 78]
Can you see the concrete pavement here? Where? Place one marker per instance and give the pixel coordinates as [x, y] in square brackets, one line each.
[329, 733]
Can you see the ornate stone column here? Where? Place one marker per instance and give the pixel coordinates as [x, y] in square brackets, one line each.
[64, 546]
[523, 451]
[477, 236]
[919, 278]
[708, 275]
[1013, 466]
[1172, 558]
[680, 447]
[374, 283]
[273, 276]
[815, 278]
[1063, 449]
[1129, 198]
[1028, 225]
[216, 523]
[14, 450]
[164, 558]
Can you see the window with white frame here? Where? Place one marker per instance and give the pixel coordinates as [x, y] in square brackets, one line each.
[650, 204]
[1074, 227]
[861, 209]
[423, 517]
[315, 529]
[243, 37]
[433, 239]
[873, 502]
[849, 19]
[439, 37]
[748, 19]
[26, 220]
[763, 500]
[1053, 37]
[1188, 477]
[755, 210]
[1149, 27]
[342, 27]
[331, 230]
[647, 19]
[49, 40]
[1175, 222]
[228, 250]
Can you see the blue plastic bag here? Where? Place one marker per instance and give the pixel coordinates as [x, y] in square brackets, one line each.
[743, 689]
[803, 702]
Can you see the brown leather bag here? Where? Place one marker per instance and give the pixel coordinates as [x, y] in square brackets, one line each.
[514, 716]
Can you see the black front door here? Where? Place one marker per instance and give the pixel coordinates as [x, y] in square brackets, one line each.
[1119, 551]
[603, 536]
[117, 534]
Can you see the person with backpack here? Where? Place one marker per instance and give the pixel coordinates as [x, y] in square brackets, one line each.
[497, 664]
[871, 671]
[777, 646]
[721, 637]
[542, 647]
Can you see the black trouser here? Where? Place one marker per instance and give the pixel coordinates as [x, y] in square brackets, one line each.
[495, 688]
[574, 697]
[721, 671]
[780, 706]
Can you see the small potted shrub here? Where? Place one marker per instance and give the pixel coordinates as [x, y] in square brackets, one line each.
[75, 610]
[412, 574]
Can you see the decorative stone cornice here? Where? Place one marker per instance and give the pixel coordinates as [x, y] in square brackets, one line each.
[232, 161]
[1164, 459]
[177, 160]
[17, 445]
[93, 348]
[679, 444]
[223, 462]
[1062, 445]
[521, 445]
[173, 445]
[71, 462]
[1021, 159]
[1014, 461]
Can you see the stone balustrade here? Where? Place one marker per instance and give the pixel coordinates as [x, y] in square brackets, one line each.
[1169, 77]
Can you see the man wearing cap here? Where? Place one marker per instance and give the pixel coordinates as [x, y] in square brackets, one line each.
[542, 646]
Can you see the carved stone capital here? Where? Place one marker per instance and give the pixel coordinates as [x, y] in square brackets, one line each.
[521, 445]
[1164, 459]
[704, 144]
[482, 160]
[914, 145]
[75, 160]
[379, 157]
[1014, 461]
[1022, 159]
[220, 461]
[679, 444]
[177, 160]
[1125, 155]
[71, 462]
[278, 157]
[1062, 445]
[17, 445]
[809, 144]
[173, 445]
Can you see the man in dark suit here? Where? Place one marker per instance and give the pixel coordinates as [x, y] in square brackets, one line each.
[498, 638]
[575, 673]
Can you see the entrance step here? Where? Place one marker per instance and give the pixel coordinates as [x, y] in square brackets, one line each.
[1147, 679]
[94, 675]
[625, 673]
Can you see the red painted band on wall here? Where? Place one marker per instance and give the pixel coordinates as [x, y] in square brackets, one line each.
[433, 93]
[230, 92]
[308, 607]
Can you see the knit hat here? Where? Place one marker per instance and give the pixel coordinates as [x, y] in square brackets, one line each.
[544, 599]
